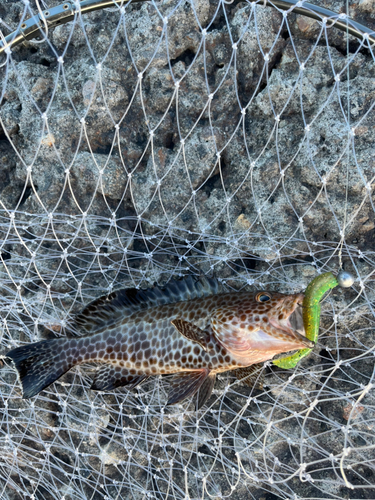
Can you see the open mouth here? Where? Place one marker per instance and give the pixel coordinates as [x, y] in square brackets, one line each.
[293, 325]
[296, 321]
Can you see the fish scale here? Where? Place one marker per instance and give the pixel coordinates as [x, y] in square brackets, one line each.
[192, 329]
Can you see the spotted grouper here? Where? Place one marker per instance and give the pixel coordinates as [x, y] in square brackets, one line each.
[191, 328]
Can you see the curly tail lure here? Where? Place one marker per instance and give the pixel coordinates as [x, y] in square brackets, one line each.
[311, 311]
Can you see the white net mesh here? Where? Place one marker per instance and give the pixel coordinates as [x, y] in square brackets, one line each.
[157, 140]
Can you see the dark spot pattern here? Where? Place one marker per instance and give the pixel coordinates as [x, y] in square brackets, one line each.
[145, 341]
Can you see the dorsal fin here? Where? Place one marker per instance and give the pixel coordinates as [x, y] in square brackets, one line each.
[107, 310]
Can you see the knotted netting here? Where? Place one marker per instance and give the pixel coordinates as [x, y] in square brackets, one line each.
[149, 141]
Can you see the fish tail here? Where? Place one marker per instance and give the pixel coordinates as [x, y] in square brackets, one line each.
[40, 364]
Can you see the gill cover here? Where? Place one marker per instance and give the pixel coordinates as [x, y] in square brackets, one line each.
[227, 330]
[263, 331]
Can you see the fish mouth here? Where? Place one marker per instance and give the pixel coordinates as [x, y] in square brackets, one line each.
[279, 332]
[296, 321]
[294, 326]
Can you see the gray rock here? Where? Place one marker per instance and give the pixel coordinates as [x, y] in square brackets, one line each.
[94, 173]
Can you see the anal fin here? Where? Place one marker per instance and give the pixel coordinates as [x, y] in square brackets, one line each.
[186, 384]
[191, 332]
[251, 375]
[109, 376]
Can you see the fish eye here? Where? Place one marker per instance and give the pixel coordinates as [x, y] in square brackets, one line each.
[263, 297]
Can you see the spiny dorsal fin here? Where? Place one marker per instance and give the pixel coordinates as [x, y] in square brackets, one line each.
[191, 332]
[252, 375]
[107, 310]
[108, 377]
[186, 384]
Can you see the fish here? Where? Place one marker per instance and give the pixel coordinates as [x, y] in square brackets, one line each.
[191, 329]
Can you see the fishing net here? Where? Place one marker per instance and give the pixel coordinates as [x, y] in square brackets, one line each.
[150, 141]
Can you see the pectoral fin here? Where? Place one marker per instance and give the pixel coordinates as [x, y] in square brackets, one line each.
[251, 375]
[108, 377]
[186, 384]
[191, 332]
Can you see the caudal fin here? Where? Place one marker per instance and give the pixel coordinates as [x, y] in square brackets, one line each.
[40, 364]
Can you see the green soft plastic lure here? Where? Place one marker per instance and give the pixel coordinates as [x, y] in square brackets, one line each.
[311, 316]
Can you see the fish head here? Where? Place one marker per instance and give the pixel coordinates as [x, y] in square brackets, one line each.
[261, 325]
